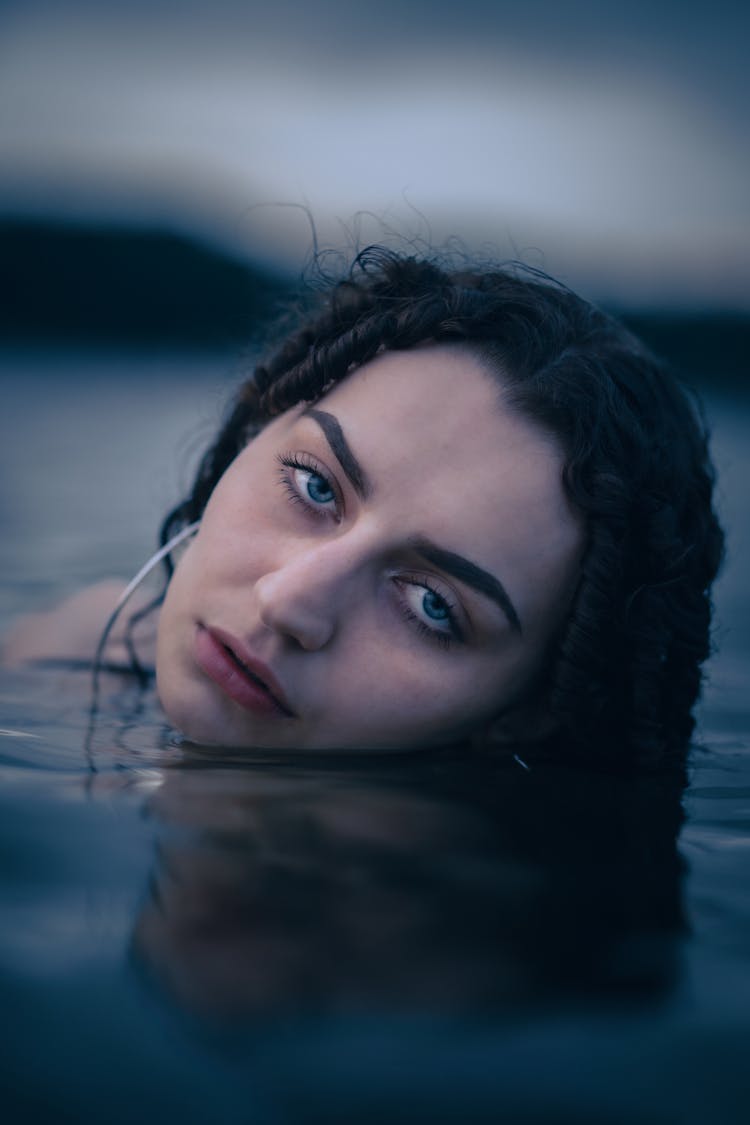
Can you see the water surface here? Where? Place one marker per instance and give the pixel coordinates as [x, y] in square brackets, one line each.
[424, 939]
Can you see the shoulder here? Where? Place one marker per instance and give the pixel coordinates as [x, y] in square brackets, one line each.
[71, 630]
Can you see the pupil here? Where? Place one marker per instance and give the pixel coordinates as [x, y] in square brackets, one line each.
[318, 490]
[434, 606]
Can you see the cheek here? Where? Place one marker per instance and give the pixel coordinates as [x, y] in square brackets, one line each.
[379, 680]
[188, 595]
[173, 630]
[243, 528]
[236, 542]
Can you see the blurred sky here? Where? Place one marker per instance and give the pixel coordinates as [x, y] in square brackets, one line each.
[604, 142]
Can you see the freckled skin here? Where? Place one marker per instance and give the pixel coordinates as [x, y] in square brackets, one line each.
[320, 588]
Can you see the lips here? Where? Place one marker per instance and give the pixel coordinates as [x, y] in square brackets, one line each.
[247, 681]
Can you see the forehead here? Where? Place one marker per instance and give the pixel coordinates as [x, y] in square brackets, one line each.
[434, 418]
[449, 459]
[438, 385]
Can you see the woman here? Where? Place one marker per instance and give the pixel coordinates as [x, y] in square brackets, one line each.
[454, 505]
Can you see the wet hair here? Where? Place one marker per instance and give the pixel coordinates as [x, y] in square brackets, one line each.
[625, 671]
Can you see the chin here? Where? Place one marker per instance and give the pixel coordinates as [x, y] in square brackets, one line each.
[190, 726]
[185, 714]
[205, 722]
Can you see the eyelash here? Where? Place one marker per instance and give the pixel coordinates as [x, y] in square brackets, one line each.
[444, 640]
[308, 464]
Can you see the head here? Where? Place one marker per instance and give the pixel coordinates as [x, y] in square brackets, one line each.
[453, 505]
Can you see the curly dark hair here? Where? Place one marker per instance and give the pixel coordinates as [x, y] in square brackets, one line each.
[625, 673]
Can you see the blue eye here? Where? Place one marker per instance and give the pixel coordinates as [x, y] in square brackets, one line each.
[431, 612]
[306, 484]
[435, 606]
[317, 487]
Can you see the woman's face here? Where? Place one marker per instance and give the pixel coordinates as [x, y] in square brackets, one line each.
[383, 570]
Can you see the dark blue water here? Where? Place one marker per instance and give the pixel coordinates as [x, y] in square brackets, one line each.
[424, 940]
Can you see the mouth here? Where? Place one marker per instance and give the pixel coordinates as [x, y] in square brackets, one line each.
[247, 681]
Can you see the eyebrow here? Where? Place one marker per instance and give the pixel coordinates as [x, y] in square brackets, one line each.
[329, 424]
[471, 575]
[456, 565]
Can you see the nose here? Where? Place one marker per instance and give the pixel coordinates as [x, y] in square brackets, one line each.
[302, 598]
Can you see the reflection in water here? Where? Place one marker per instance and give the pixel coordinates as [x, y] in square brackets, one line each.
[435, 886]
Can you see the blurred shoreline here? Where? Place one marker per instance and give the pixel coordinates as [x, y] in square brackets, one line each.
[150, 288]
